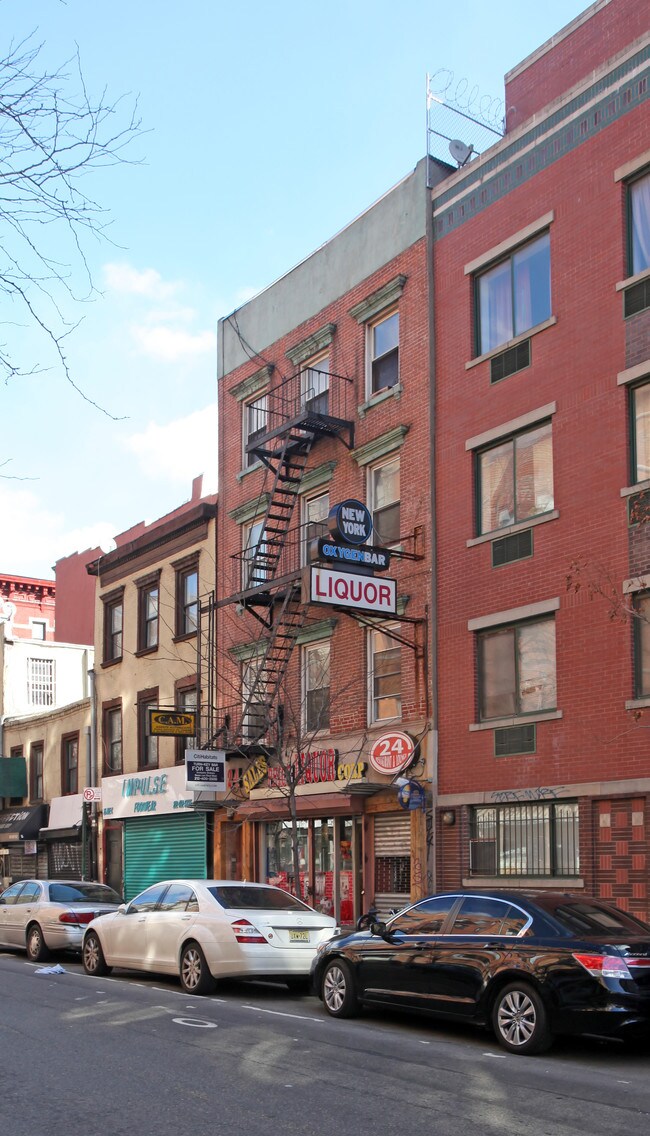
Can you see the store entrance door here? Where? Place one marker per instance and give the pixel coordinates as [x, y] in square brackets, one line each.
[330, 863]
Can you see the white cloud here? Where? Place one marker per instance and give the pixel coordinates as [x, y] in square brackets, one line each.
[130, 281]
[181, 450]
[172, 344]
[32, 538]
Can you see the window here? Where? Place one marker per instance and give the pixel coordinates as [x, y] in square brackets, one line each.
[426, 918]
[36, 771]
[254, 546]
[179, 897]
[481, 915]
[385, 676]
[517, 669]
[383, 351]
[147, 743]
[314, 384]
[39, 628]
[315, 511]
[41, 686]
[187, 600]
[514, 295]
[639, 213]
[70, 764]
[515, 479]
[113, 616]
[384, 493]
[642, 645]
[526, 840]
[255, 425]
[254, 721]
[316, 686]
[112, 738]
[640, 448]
[148, 616]
[149, 899]
[185, 700]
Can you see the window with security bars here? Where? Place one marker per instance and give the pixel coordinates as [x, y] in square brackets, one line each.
[535, 839]
[392, 874]
[41, 676]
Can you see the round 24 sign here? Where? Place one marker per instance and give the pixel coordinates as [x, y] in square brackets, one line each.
[392, 753]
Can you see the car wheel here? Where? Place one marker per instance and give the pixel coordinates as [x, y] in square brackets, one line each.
[36, 949]
[520, 1019]
[92, 957]
[299, 986]
[339, 995]
[194, 971]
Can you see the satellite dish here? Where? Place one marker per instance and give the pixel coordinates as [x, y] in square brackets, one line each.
[459, 151]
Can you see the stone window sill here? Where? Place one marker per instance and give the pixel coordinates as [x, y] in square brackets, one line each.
[497, 534]
[511, 343]
[381, 396]
[516, 720]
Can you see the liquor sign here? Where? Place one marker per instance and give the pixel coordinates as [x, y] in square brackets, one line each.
[349, 589]
[205, 769]
[391, 753]
[172, 723]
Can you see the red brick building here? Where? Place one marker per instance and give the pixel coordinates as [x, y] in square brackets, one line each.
[323, 397]
[542, 393]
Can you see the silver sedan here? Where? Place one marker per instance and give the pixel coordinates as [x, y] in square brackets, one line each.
[202, 930]
[40, 916]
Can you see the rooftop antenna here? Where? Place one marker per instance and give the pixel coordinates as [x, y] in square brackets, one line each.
[460, 151]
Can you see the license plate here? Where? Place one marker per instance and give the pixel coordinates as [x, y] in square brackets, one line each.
[298, 936]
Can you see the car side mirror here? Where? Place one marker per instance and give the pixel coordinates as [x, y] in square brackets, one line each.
[378, 928]
[122, 909]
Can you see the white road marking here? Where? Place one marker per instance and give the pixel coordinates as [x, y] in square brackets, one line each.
[196, 1023]
[279, 1014]
[497, 1056]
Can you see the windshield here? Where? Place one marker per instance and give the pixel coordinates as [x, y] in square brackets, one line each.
[591, 917]
[83, 893]
[256, 898]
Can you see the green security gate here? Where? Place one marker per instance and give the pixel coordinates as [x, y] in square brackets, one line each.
[166, 848]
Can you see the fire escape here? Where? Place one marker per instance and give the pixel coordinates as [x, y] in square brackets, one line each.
[300, 411]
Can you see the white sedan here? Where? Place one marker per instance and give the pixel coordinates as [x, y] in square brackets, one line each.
[203, 930]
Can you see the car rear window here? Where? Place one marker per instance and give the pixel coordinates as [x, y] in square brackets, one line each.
[592, 917]
[83, 893]
[257, 898]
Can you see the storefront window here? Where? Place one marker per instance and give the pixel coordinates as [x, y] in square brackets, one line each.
[279, 856]
[330, 863]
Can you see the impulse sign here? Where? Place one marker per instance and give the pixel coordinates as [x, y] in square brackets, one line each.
[349, 589]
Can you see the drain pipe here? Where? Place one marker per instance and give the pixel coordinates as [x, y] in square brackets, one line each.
[433, 620]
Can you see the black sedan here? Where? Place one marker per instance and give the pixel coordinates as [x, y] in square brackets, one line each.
[528, 964]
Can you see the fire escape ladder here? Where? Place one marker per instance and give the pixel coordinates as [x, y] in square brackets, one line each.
[287, 466]
[260, 711]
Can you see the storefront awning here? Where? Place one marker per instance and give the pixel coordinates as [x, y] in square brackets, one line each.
[324, 804]
[13, 777]
[21, 824]
[65, 818]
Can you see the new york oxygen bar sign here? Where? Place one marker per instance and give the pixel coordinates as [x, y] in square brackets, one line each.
[338, 584]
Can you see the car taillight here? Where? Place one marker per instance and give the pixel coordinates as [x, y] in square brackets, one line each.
[604, 966]
[245, 932]
[76, 916]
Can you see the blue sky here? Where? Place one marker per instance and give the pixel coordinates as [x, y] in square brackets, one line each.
[266, 128]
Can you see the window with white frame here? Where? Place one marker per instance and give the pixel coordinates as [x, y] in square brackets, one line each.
[384, 495]
[315, 511]
[514, 295]
[640, 447]
[39, 628]
[41, 679]
[315, 383]
[385, 673]
[516, 669]
[316, 686]
[255, 415]
[383, 353]
[639, 219]
[253, 568]
[515, 479]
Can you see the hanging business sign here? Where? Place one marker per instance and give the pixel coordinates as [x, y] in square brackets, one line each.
[411, 796]
[172, 723]
[205, 770]
[364, 555]
[349, 589]
[392, 753]
[350, 521]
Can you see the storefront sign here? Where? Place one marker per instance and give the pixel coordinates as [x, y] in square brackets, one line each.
[316, 766]
[391, 753]
[365, 555]
[205, 769]
[129, 795]
[350, 521]
[349, 589]
[254, 774]
[172, 723]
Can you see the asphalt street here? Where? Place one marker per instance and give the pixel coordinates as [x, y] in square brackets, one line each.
[134, 1054]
